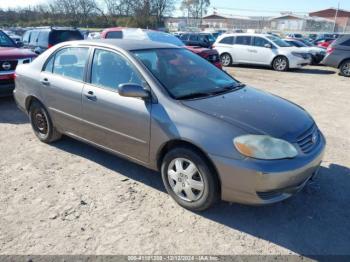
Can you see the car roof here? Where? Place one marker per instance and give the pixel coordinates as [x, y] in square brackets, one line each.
[125, 44]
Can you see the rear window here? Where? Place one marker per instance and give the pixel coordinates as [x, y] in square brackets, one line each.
[34, 37]
[59, 36]
[227, 40]
[115, 35]
[346, 43]
[243, 40]
[43, 38]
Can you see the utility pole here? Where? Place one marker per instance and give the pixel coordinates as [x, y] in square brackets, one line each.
[335, 18]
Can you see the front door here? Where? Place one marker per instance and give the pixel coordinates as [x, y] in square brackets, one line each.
[120, 124]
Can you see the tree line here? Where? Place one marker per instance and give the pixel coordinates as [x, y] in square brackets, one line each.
[101, 13]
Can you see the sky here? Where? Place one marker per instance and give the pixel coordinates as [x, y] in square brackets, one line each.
[237, 7]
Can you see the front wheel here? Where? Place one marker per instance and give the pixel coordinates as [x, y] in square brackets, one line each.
[280, 63]
[189, 180]
[345, 68]
[42, 124]
[226, 60]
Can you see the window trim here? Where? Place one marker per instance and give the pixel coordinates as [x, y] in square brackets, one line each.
[90, 64]
[250, 43]
[54, 59]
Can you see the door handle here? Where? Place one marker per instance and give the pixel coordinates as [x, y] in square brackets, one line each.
[90, 95]
[45, 82]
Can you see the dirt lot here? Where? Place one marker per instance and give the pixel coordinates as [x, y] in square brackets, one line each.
[69, 198]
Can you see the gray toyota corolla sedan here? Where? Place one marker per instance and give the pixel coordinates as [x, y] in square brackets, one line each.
[168, 109]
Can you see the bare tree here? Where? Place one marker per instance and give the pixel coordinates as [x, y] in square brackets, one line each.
[195, 8]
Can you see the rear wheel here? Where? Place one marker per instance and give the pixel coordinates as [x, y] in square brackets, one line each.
[280, 63]
[226, 59]
[42, 124]
[189, 180]
[345, 68]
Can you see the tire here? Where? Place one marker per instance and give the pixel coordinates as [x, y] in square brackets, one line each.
[42, 123]
[344, 68]
[226, 59]
[280, 63]
[196, 188]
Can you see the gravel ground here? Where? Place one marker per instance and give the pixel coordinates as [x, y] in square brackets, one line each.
[70, 198]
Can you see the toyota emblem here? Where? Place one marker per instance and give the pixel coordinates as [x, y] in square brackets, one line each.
[6, 66]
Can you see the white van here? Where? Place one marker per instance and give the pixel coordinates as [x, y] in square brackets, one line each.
[260, 49]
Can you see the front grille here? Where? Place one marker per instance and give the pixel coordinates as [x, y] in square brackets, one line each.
[309, 139]
[268, 195]
[8, 65]
[213, 58]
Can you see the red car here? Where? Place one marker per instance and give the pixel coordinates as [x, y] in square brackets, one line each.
[145, 34]
[10, 57]
[324, 42]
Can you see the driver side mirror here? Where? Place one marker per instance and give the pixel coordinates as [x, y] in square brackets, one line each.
[268, 45]
[133, 90]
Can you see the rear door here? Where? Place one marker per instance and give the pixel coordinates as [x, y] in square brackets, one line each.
[62, 81]
[121, 124]
[242, 49]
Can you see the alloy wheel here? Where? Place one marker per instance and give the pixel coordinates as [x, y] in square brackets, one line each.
[185, 179]
[225, 60]
[346, 69]
[280, 64]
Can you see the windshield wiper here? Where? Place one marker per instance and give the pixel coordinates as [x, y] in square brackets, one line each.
[194, 95]
[212, 93]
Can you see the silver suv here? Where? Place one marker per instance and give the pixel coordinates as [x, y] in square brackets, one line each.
[338, 55]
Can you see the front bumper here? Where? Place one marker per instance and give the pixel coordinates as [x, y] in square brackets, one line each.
[7, 84]
[298, 62]
[259, 182]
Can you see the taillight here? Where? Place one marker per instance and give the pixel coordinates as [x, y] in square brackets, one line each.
[330, 50]
[49, 46]
[213, 46]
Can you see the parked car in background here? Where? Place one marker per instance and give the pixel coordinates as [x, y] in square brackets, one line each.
[146, 34]
[198, 39]
[94, 35]
[317, 53]
[338, 55]
[11, 56]
[295, 36]
[163, 107]
[16, 38]
[40, 39]
[260, 49]
[324, 42]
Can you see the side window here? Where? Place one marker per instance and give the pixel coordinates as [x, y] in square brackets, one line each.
[70, 62]
[243, 40]
[110, 70]
[34, 37]
[184, 37]
[227, 40]
[26, 37]
[43, 38]
[115, 35]
[49, 64]
[193, 37]
[260, 42]
[346, 43]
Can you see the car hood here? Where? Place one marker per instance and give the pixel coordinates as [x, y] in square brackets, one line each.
[15, 53]
[312, 49]
[256, 112]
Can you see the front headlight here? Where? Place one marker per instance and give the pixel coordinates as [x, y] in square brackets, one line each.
[264, 147]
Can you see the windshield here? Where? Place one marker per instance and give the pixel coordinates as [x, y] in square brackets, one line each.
[59, 36]
[164, 38]
[185, 75]
[6, 41]
[278, 41]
